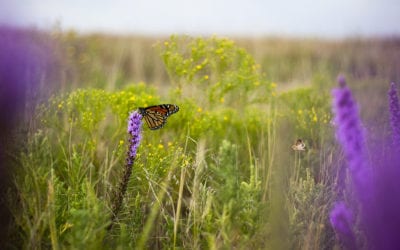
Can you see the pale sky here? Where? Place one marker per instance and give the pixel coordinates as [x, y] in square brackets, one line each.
[323, 18]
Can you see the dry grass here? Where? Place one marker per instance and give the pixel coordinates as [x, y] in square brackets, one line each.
[118, 60]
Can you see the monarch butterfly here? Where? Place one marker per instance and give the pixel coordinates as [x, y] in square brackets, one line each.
[156, 116]
[299, 146]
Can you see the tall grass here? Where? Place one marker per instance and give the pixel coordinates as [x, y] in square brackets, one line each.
[221, 174]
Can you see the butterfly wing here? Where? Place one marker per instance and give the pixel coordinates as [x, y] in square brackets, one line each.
[164, 109]
[156, 116]
[154, 119]
[172, 109]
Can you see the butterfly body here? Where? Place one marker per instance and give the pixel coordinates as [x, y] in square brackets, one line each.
[156, 116]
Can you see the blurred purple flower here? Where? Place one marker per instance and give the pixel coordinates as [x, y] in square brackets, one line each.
[375, 197]
[350, 135]
[383, 222]
[394, 115]
[342, 221]
[26, 63]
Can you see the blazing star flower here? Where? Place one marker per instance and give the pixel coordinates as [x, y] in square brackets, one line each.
[134, 131]
[350, 134]
[26, 65]
[374, 200]
[383, 218]
[342, 221]
[394, 115]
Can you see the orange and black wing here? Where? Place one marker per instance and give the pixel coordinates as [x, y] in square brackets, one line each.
[154, 119]
[164, 109]
[156, 116]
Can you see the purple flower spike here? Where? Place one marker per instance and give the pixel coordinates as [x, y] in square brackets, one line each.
[134, 130]
[394, 115]
[375, 197]
[342, 221]
[349, 133]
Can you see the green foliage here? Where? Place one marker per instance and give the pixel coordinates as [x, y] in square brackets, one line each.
[203, 181]
[56, 208]
[308, 210]
[308, 112]
[217, 66]
[308, 109]
[237, 203]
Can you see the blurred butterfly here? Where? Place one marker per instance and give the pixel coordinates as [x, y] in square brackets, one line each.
[299, 146]
[156, 116]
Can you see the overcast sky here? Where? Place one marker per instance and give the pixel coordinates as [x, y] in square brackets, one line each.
[317, 18]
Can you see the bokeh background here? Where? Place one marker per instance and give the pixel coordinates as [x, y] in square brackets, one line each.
[333, 19]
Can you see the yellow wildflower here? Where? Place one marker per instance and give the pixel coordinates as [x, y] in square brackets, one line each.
[185, 162]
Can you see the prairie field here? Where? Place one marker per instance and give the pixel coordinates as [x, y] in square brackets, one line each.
[222, 173]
